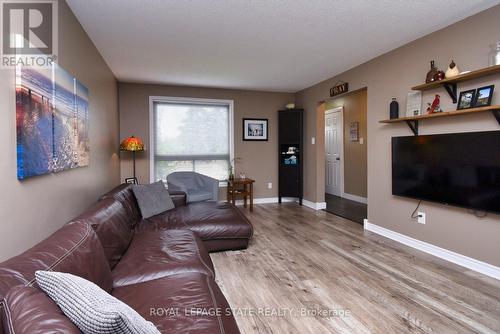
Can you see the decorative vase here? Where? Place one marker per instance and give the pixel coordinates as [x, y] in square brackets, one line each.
[394, 109]
[452, 70]
[439, 76]
[431, 73]
[494, 54]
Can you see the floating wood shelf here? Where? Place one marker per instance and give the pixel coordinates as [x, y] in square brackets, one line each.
[413, 120]
[451, 84]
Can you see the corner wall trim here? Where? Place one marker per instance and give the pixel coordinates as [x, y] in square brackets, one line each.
[314, 205]
[271, 200]
[355, 198]
[442, 253]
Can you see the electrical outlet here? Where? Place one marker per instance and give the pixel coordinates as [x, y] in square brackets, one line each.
[421, 217]
[269, 185]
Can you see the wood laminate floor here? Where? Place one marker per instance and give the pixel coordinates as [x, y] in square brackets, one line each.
[302, 262]
[343, 207]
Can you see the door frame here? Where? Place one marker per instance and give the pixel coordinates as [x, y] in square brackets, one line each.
[339, 110]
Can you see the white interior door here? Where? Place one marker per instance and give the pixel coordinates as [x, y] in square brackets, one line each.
[333, 151]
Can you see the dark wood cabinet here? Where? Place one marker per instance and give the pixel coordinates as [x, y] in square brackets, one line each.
[290, 153]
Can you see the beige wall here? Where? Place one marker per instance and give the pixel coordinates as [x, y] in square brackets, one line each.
[355, 152]
[32, 209]
[392, 75]
[258, 159]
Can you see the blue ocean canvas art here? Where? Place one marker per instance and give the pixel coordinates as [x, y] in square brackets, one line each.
[34, 112]
[51, 120]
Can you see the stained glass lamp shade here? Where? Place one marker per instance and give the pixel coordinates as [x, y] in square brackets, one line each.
[132, 144]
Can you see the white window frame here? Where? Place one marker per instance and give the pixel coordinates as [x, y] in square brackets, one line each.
[174, 99]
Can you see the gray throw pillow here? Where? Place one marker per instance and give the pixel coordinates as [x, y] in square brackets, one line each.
[89, 307]
[153, 199]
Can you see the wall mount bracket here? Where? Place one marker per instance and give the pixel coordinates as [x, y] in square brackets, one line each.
[496, 113]
[413, 125]
[451, 88]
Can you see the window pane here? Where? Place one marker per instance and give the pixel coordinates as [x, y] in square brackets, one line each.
[183, 129]
[163, 168]
[217, 169]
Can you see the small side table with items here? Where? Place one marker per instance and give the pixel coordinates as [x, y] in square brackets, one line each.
[239, 187]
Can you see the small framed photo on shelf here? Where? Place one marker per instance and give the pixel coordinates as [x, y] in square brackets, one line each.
[483, 96]
[466, 99]
[255, 129]
[131, 180]
[414, 104]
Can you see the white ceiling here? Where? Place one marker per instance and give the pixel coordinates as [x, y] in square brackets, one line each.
[278, 45]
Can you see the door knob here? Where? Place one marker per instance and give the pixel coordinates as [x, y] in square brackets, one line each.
[338, 159]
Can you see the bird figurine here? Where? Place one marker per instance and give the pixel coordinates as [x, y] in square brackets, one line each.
[452, 70]
[435, 106]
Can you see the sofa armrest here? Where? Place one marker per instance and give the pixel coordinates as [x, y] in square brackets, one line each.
[178, 197]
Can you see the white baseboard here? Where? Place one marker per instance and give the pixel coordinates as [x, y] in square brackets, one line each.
[314, 205]
[456, 258]
[270, 200]
[355, 198]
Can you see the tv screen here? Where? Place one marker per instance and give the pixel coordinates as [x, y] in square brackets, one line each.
[460, 169]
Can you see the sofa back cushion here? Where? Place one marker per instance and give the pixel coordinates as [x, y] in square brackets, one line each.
[73, 249]
[2, 316]
[30, 310]
[124, 194]
[112, 225]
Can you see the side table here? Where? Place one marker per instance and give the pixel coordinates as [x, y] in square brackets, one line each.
[240, 187]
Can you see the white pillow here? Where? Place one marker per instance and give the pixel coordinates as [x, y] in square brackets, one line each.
[90, 308]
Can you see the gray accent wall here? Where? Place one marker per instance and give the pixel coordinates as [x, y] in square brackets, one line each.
[34, 208]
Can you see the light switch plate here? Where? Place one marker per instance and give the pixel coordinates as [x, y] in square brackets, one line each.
[269, 185]
[313, 140]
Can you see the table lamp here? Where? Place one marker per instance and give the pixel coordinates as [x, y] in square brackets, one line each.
[132, 144]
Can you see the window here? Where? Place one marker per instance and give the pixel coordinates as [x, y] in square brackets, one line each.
[191, 135]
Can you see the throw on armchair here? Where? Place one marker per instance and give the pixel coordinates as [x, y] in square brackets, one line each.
[198, 187]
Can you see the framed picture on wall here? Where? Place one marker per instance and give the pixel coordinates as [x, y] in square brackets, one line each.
[255, 129]
[354, 131]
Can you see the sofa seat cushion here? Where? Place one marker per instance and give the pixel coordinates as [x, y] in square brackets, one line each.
[209, 220]
[156, 254]
[74, 249]
[184, 303]
[30, 310]
[113, 226]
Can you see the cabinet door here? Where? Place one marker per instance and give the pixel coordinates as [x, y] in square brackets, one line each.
[290, 126]
[290, 181]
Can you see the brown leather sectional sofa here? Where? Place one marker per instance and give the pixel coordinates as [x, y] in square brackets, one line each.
[159, 266]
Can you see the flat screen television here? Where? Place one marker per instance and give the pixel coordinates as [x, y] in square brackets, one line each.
[459, 169]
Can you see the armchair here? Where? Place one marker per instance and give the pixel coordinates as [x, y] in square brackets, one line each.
[198, 187]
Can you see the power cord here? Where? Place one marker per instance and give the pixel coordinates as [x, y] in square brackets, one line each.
[414, 211]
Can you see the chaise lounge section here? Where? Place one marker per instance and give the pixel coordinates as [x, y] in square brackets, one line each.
[160, 267]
